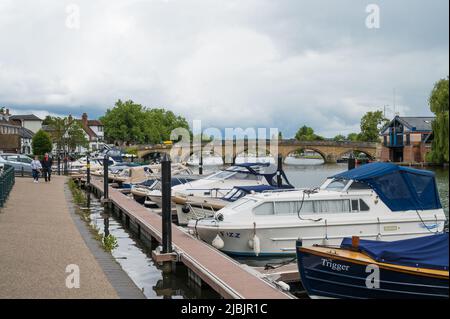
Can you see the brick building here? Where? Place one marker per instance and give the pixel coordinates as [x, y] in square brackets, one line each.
[406, 139]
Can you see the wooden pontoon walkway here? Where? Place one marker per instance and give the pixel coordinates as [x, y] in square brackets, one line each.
[40, 236]
[222, 273]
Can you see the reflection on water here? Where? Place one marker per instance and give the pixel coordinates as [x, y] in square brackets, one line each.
[135, 259]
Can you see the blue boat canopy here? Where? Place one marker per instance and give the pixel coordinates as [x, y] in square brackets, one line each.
[400, 188]
[422, 252]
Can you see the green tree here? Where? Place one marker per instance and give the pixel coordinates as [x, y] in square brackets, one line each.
[125, 123]
[306, 133]
[439, 102]
[66, 133]
[371, 124]
[353, 137]
[131, 123]
[75, 136]
[339, 138]
[41, 143]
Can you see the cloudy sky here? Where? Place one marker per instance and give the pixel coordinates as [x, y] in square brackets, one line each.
[229, 63]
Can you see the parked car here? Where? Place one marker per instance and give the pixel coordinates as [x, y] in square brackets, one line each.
[18, 161]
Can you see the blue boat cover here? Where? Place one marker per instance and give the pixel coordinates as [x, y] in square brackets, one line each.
[422, 252]
[400, 188]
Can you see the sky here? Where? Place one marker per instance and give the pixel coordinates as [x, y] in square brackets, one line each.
[229, 63]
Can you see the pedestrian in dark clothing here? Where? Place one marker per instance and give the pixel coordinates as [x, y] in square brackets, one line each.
[47, 163]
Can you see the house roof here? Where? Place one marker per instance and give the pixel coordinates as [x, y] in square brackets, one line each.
[422, 123]
[87, 129]
[95, 123]
[414, 123]
[25, 117]
[26, 133]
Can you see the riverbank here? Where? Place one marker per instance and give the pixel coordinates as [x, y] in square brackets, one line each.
[41, 247]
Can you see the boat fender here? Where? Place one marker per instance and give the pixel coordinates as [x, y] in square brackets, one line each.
[250, 243]
[185, 209]
[218, 242]
[256, 245]
[283, 285]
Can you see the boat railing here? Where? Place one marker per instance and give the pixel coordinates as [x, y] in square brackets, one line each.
[202, 214]
[283, 190]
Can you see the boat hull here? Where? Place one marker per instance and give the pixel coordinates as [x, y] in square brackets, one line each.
[280, 241]
[326, 276]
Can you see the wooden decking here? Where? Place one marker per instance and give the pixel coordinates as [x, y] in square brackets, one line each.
[223, 274]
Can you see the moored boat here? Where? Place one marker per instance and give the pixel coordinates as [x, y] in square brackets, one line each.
[379, 201]
[411, 268]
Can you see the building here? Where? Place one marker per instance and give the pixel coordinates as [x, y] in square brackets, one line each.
[406, 139]
[29, 121]
[93, 130]
[26, 137]
[9, 133]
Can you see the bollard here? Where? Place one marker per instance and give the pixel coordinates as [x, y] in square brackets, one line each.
[65, 166]
[279, 170]
[22, 171]
[59, 164]
[105, 177]
[351, 161]
[88, 172]
[200, 164]
[166, 189]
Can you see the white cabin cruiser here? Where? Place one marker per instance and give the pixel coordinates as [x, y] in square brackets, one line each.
[378, 201]
[220, 183]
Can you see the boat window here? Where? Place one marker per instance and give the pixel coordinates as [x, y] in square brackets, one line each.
[245, 176]
[285, 208]
[355, 205]
[243, 204]
[337, 185]
[234, 194]
[363, 206]
[331, 206]
[264, 209]
[221, 175]
[358, 185]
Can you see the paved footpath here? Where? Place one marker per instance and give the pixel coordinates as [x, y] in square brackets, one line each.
[38, 239]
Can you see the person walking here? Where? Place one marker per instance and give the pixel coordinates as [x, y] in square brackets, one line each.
[47, 163]
[35, 168]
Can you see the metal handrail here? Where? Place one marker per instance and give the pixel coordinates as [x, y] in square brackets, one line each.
[7, 180]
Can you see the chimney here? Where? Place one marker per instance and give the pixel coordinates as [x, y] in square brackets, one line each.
[84, 119]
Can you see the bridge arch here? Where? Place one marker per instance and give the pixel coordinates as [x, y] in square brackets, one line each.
[324, 155]
[370, 155]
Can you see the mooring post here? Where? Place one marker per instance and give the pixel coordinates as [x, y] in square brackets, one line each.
[105, 177]
[166, 205]
[200, 161]
[351, 161]
[88, 172]
[279, 170]
[65, 166]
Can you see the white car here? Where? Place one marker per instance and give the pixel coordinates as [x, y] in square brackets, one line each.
[18, 161]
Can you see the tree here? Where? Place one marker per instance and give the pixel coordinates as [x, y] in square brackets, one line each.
[42, 143]
[125, 122]
[371, 124]
[339, 138]
[353, 137]
[66, 133]
[131, 123]
[75, 136]
[439, 105]
[306, 133]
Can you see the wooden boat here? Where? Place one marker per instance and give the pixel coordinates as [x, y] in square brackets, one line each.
[411, 268]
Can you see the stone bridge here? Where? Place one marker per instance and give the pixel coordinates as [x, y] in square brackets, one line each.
[331, 151]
